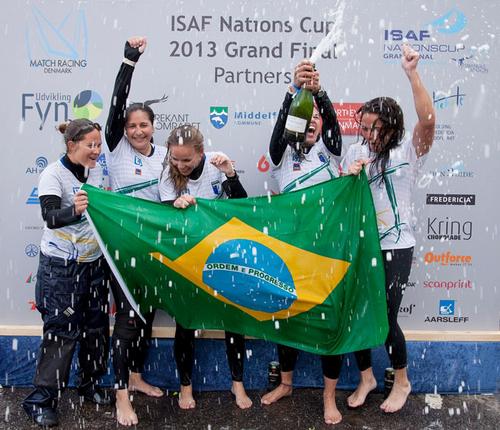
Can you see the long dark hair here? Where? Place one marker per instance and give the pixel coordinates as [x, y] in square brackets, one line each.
[391, 133]
[182, 135]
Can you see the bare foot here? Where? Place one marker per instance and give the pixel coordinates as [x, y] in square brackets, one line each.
[242, 400]
[332, 414]
[282, 390]
[136, 383]
[397, 397]
[125, 413]
[366, 385]
[186, 399]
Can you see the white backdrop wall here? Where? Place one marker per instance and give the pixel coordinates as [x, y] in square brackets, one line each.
[60, 58]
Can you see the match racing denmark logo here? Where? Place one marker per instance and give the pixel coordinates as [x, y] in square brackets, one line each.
[219, 116]
[262, 276]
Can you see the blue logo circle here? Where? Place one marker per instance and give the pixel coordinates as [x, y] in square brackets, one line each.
[250, 275]
[31, 250]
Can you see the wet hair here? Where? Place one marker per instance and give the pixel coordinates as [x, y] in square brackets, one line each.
[76, 130]
[143, 107]
[182, 135]
[391, 133]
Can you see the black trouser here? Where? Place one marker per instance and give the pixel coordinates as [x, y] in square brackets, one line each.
[131, 336]
[184, 353]
[331, 364]
[397, 264]
[73, 300]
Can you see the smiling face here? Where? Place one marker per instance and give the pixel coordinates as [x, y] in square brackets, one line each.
[139, 130]
[185, 158]
[87, 150]
[314, 129]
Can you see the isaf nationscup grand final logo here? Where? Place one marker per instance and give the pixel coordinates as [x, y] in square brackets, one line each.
[264, 277]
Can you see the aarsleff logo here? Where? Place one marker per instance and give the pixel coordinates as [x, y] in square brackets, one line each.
[451, 199]
[447, 312]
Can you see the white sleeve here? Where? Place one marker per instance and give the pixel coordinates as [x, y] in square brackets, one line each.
[166, 188]
[348, 159]
[50, 183]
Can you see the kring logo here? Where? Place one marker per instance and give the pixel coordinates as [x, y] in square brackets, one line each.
[446, 312]
[425, 40]
[448, 229]
[448, 259]
[57, 45]
[253, 118]
[40, 164]
[55, 106]
[460, 284]
[406, 310]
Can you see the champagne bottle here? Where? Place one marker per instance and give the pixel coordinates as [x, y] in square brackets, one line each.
[299, 116]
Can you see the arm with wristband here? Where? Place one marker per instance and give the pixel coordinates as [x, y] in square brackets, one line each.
[115, 124]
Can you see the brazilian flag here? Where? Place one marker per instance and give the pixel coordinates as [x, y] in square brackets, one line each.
[302, 269]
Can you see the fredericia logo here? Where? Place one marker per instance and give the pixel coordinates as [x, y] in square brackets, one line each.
[451, 199]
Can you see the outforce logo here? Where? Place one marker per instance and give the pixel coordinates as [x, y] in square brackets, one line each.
[40, 164]
[219, 116]
[447, 259]
[55, 106]
[446, 312]
[451, 199]
[448, 99]
[460, 284]
[448, 229]
[426, 41]
[346, 115]
[57, 45]
[253, 118]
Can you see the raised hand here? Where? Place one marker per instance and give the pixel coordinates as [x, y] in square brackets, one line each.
[223, 163]
[305, 74]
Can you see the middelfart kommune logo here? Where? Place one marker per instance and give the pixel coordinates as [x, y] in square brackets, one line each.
[56, 45]
[219, 116]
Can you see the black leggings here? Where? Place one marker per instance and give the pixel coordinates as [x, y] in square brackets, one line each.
[397, 272]
[130, 340]
[184, 353]
[331, 364]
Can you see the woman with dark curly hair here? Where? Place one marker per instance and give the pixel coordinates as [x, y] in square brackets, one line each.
[393, 163]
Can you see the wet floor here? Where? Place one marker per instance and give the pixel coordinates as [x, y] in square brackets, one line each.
[217, 411]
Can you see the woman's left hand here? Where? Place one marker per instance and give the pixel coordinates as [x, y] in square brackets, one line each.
[224, 164]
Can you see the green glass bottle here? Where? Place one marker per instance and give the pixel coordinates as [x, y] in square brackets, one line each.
[299, 116]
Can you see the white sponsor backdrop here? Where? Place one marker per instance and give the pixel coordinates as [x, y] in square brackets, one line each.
[236, 57]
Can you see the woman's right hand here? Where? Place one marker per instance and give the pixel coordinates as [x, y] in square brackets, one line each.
[81, 202]
[304, 74]
[184, 201]
[356, 166]
[134, 47]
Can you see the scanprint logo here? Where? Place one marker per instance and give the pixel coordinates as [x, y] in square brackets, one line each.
[346, 115]
[451, 199]
[460, 284]
[219, 116]
[448, 259]
[57, 45]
